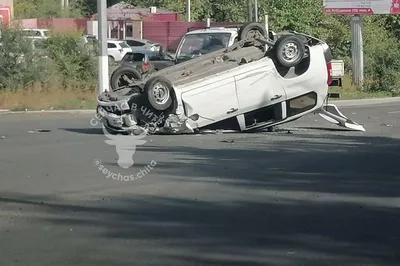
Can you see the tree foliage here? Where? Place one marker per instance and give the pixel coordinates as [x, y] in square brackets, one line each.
[382, 33]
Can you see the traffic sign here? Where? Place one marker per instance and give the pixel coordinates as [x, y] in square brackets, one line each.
[362, 7]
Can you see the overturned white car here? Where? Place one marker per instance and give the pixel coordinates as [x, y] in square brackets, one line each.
[260, 81]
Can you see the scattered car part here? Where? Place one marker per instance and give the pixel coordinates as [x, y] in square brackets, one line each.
[331, 113]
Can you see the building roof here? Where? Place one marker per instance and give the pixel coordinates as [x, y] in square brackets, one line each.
[123, 11]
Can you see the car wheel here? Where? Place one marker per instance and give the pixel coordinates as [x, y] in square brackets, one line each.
[251, 30]
[118, 77]
[290, 50]
[159, 93]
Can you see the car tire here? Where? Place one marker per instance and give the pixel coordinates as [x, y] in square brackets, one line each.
[130, 72]
[290, 50]
[159, 93]
[248, 30]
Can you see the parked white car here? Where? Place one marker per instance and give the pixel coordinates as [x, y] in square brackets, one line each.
[117, 50]
[255, 84]
[43, 33]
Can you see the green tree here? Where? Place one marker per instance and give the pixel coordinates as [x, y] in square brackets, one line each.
[47, 9]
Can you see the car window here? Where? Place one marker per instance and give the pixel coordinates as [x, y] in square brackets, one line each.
[46, 33]
[128, 57]
[137, 57]
[159, 57]
[124, 45]
[134, 43]
[156, 57]
[32, 33]
[111, 45]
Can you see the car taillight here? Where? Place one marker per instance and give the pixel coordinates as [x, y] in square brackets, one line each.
[146, 65]
[329, 69]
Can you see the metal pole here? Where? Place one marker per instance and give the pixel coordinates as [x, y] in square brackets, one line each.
[103, 58]
[357, 50]
[67, 6]
[250, 10]
[188, 10]
[256, 10]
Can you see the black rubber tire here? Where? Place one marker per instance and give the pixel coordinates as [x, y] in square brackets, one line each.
[280, 45]
[119, 72]
[148, 91]
[251, 26]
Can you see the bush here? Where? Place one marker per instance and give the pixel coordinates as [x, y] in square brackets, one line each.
[62, 62]
[382, 58]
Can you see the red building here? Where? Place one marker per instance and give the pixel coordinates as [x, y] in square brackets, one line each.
[126, 20]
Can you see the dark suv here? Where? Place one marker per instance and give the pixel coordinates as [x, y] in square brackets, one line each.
[141, 62]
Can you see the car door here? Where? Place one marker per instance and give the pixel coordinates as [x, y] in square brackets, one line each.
[258, 85]
[212, 98]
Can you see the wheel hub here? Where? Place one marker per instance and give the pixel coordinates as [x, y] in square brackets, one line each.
[291, 52]
[160, 93]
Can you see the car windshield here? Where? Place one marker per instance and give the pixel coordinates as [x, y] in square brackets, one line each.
[202, 43]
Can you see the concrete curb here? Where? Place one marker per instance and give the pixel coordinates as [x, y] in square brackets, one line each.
[8, 112]
[363, 102]
[344, 103]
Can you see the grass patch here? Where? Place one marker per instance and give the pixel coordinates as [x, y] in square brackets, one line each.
[353, 92]
[36, 99]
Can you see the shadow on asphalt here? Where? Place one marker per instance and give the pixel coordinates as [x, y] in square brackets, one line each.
[309, 202]
[86, 131]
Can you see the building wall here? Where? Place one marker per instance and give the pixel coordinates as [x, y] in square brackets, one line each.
[169, 34]
[9, 3]
[58, 24]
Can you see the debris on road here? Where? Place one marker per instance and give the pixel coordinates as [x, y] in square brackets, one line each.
[386, 125]
[228, 141]
[40, 131]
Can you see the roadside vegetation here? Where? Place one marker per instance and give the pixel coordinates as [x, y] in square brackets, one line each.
[67, 78]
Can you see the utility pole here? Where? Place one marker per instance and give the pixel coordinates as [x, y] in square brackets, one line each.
[256, 10]
[188, 10]
[102, 24]
[357, 50]
[250, 6]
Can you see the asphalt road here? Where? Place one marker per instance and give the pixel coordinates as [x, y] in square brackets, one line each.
[308, 194]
